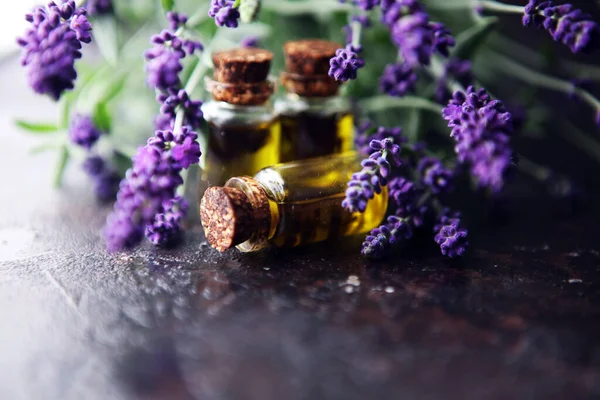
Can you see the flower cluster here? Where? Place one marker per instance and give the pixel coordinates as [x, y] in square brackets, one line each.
[149, 185]
[398, 79]
[174, 100]
[415, 181]
[166, 227]
[164, 58]
[104, 177]
[415, 35]
[99, 7]
[52, 44]
[565, 23]
[482, 129]
[83, 132]
[344, 66]
[224, 13]
[449, 234]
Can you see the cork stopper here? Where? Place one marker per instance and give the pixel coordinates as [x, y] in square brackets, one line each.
[240, 76]
[307, 66]
[247, 65]
[232, 215]
[309, 57]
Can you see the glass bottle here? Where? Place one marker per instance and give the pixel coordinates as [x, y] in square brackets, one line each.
[287, 205]
[315, 120]
[243, 132]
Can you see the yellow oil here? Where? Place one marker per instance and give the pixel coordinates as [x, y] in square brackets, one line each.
[306, 135]
[306, 202]
[240, 150]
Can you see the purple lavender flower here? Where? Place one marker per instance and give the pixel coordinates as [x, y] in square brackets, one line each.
[398, 79]
[450, 236]
[416, 37]
[224, 13]
[367, 4]
[152, 180]
[105, 178]
[346, 63]
[176, 20]
[564, 22]
[380, 240]
[405, 200]
[163, 122]
[164, 59]
[459, 70]
[482, 129]
[99, 7]
[173, 100]
[366, 133]
[52, 44]
[373, 176]
[250, 41]
[166, 227]
[83, 132]
[435, 175]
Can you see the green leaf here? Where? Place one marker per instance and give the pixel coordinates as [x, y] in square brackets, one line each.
[36, 127]
[102, 118]
[61, 166]
[41, 148]
[378, 103]
[106, 37]
[167, 5]
[471, 39]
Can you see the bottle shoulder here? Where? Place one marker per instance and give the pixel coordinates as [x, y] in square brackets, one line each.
[223, 114]
[294, 104]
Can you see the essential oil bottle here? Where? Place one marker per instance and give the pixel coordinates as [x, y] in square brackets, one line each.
[315, 120]
[287, 205]
[243, 132]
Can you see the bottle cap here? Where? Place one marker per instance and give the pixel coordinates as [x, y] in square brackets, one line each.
[231, 216]
[244, 94]
[307, 66]
[309, 57]
[245, 65]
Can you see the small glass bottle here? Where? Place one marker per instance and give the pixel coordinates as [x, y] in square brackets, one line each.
[315, 120]
[243, 130]
[287, 205]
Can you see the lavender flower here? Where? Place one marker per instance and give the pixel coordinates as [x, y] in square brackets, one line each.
[224, 13]
[564, 22]
[405, 200]
[367, 4]
[450, 236]
[176, 20]
[481, 128]
[380, 240]
[250, 41]
[366, 133]
[166, 228]
[99, 7]
[83, 132]
[398, 79]
[435, 175]
[105, 178]
[164, 58]
[179, 99]
[416, 37]
[376, 170]
[456, 69]
[150, 182]
[52, 44]
[346, 63]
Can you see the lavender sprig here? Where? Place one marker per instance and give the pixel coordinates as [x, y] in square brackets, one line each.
[225, 13]
[381, 239]
[482, 129]
[398, 79]
[83, 132]
[105, 178]
[451, 237]
[376, 169]
[165, 230]
[52, 44]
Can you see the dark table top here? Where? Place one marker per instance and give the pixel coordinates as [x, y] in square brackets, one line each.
[518, 318]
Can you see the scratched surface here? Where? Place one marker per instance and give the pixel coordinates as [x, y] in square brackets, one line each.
[519, 318]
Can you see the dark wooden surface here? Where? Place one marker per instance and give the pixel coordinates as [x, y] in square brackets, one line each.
[518, 318]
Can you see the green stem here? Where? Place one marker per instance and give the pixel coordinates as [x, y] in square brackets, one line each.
[539, 79]
[236, 4]
[384, 102]
[61, 166]
[500, 7]
[533, 169]
[356, 31]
